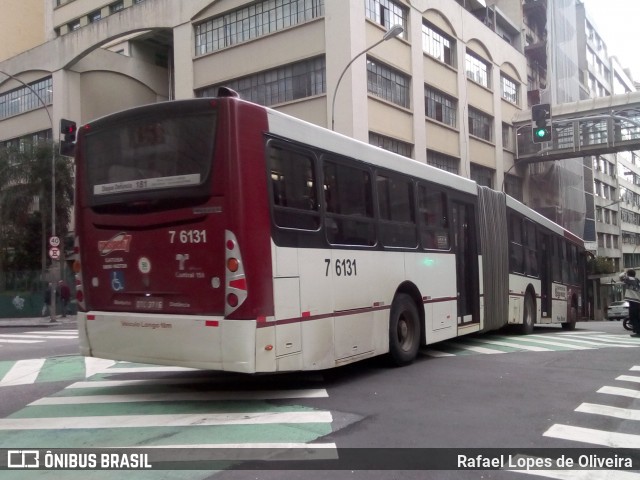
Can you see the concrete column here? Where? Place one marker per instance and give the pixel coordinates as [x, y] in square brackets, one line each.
[66, 99]
[345, 38]
[183, 51]
[417, 87]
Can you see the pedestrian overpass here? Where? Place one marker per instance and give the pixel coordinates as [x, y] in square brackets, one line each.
[587, 127]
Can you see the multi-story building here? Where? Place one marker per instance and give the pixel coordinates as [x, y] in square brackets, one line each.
[22, 26]
[557, 187]
[443, 92]
[616, 177]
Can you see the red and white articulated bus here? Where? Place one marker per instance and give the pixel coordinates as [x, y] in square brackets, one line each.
[219, 234]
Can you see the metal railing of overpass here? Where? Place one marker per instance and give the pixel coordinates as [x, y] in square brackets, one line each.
[588, 127]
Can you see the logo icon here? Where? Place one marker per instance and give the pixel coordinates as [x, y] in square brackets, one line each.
[117, 281]
[182, 258]
[144, 265]
[121, 241]
[23, 459]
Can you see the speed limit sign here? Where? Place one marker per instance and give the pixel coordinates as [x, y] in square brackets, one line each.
[54, 241]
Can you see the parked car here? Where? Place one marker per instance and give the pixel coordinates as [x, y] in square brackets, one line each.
[618, 310]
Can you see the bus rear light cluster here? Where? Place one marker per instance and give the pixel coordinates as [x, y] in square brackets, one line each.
[233, 264]
[232, 300]
[235, 281]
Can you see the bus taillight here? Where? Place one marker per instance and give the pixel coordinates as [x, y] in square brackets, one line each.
[233, 265]
[235, 281]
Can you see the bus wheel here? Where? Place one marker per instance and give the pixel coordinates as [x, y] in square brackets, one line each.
[404, 330]
[571, 324]
[528, 315]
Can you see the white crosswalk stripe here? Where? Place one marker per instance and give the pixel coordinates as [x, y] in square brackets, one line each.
[594, 436]
[171, 413]
[169, 420]
[599, 437]
[473, 348]
[630, 418]
[37, 336]
[606, 410]
[491, 343]
[12, 340]
[23, 372]
[625, 392]
[184, 396]
[584, 474]
[483, 344]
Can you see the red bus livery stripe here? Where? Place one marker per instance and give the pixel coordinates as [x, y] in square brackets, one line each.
[377, 306]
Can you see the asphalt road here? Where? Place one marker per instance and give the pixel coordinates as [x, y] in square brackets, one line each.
[488, 392]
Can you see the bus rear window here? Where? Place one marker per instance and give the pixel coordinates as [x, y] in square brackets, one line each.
[148, 157]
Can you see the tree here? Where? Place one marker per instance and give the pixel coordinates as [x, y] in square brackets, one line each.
[601, 266]
[25, 203]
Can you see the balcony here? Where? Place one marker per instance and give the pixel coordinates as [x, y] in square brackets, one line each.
[536, 8]
[537, 51]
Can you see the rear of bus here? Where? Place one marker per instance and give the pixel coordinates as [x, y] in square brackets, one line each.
[173, 235]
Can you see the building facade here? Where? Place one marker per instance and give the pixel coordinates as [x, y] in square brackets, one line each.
[22, 26]
[444, 92]
[615, 177]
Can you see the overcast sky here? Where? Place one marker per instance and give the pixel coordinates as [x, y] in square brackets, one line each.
[618, 23]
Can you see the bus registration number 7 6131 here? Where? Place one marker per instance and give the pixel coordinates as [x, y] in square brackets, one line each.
[342, 267]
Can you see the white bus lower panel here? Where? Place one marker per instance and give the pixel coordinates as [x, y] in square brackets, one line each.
[187, 341]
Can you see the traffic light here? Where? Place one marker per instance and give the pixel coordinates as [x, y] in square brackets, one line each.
[541, 116]
[68, 130]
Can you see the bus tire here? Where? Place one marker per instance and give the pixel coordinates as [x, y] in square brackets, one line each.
[571, 324]
[528, 315]
[404, 330]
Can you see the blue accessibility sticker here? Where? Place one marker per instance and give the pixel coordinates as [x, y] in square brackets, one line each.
[117, 280]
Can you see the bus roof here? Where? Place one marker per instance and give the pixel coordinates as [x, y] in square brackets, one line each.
[307, 133]
[542, 220]
[313, 135]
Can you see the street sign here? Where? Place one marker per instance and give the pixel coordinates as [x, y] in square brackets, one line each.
[54, 253]
[54, 241]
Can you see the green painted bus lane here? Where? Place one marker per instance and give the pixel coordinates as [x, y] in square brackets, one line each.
[122, 437]
[151, 408]
[57, 369]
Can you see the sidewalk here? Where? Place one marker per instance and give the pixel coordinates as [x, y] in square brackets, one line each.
[69, 320]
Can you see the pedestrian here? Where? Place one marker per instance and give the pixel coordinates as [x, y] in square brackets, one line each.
[46, 308]
[632, 295]
[64, 294]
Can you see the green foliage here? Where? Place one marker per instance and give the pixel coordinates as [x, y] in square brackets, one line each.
[25, 203]
[601, 265]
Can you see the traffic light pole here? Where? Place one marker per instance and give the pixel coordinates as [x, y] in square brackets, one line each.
[53, 186]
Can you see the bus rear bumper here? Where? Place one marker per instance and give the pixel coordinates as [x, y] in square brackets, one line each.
[203, 342]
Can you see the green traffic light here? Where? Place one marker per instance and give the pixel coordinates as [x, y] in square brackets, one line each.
[541, 133]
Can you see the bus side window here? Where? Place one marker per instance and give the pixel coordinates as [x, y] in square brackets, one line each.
[293, 184]
[531, 249]
[561, 262]
[575, 262]
[349, 205]
[516, 250]
[434, 224]
[396, 208]
[565, 261]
